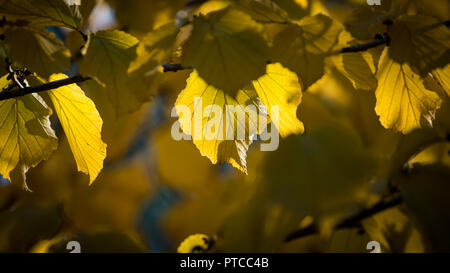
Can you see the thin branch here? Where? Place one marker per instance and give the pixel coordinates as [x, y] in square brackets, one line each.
[363, 47]
[19, 92]
[349, 222]
[173, 67]
[195, 2]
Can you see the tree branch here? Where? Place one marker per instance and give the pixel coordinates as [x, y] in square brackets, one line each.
[194, 2]
[173, 67]
[363, 47]
[349, 222]
[19, 92]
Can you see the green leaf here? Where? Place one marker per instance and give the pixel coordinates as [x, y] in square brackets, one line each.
[82, 124]
[155, 48]
[302, 48]
[37, 49]
[227, 49]
[325, 174]
[43, 13]
[403, 102]
[26, 137]
[108, 57]
[395, 231]
[425, 191]
[421, 41]
[264, 11]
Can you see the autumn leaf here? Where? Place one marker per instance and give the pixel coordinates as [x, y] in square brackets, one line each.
[280, 87]
[403, 102]
[214, 142]
[82, 124]
[26, 137]
[442, 75]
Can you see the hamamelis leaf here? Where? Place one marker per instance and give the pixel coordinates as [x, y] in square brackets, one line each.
[280, 87]
[403, 102]
[82, 125]
[26, 137]
[223, 135]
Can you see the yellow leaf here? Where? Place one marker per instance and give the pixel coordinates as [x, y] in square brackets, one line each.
[210, 128]
[37, 49]
[26, 137]
[227, 49]
[155, 48]
[395, 231]
[108, 57]
[354, 66]
[302, 48]
[280, 87]
[195, 243]
[442, 75]
[82, 124]
[403, 102]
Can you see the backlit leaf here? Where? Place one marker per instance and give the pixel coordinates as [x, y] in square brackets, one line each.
[403, 102]
[218, 124]
[82, 124]
[26, 137]
[280, 87]
[442, 75]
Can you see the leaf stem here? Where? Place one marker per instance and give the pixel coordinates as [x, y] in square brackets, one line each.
[19, 92]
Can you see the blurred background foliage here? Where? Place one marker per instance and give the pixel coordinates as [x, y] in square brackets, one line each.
[154, 192]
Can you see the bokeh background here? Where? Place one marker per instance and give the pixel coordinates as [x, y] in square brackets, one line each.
[153, 191]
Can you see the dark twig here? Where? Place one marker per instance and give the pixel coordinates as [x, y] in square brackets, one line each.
[363, 47]
[195, 2]
[19, 92]
[173, 67]
[349, 222]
